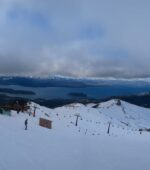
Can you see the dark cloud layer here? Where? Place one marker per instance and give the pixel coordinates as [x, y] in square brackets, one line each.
[98, 38]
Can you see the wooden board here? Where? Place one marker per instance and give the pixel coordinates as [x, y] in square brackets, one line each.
[45, 123]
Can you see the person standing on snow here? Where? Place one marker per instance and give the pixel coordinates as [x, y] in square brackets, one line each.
[26, 124]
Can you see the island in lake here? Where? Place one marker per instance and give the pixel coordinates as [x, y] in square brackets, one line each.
[12, 91]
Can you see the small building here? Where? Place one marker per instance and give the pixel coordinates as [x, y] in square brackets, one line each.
[5, 112]
[45, 123]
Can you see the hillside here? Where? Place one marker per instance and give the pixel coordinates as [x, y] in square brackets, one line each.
[83, 147]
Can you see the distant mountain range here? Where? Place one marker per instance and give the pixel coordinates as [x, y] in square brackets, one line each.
[39, 82]
[60, 81]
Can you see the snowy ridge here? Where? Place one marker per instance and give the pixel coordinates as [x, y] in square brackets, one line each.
[125, 118]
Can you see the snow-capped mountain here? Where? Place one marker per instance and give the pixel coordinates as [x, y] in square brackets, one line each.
[86, 146]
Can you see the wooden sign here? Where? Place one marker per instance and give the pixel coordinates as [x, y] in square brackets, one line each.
[45, 123]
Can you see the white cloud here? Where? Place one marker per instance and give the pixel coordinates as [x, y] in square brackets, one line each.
[79, 38]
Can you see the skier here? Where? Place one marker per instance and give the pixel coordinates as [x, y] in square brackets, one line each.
[26, 124]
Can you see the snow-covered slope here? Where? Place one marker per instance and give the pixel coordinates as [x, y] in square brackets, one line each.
[83, 147]
[94, 119]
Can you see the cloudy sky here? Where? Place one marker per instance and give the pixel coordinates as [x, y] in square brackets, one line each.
[95, 38]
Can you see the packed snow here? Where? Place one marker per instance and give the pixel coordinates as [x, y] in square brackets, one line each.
[86, 146]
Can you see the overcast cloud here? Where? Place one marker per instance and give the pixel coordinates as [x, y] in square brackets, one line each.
[98, 38]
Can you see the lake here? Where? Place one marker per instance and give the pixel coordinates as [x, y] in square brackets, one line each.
[92, 92]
